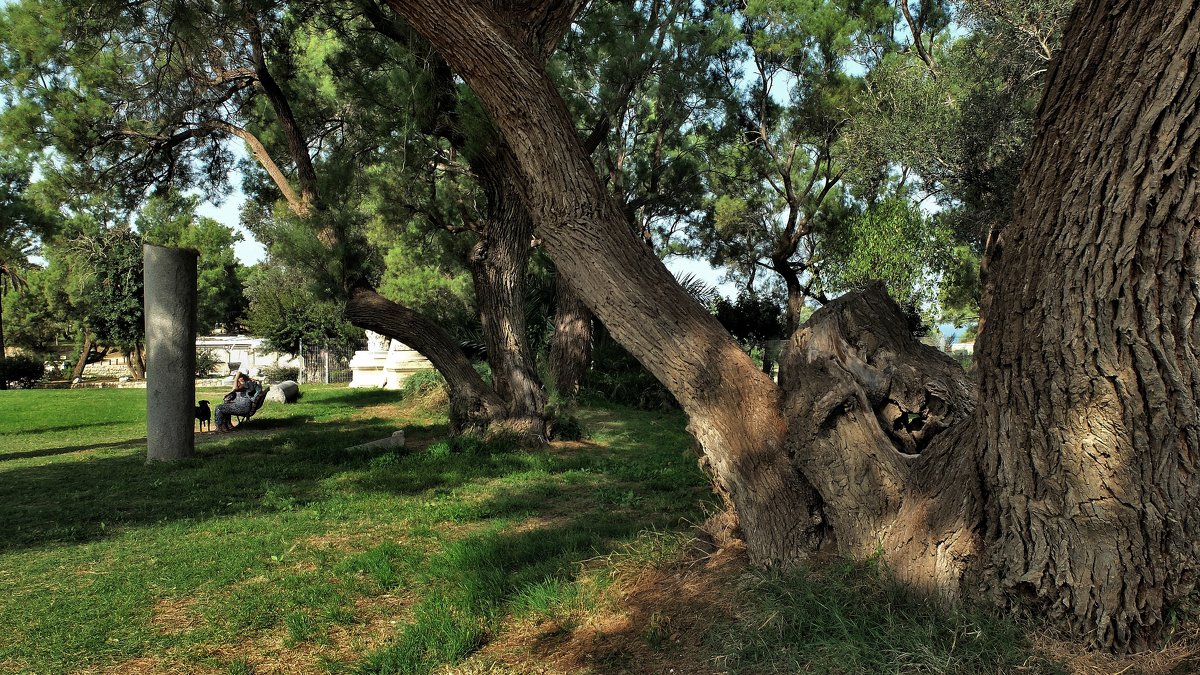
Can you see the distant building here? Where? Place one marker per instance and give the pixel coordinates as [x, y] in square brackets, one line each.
[243, 351]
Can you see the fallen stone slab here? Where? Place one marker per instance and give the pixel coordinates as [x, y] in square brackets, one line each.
[284, 392]
[396, 440]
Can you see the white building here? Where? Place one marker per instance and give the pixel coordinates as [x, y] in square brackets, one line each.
[243, 351]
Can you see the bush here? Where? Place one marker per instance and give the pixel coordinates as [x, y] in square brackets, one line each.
[422, 383]
[568, 428]
[279, 373]
[564, 425]
[22, 371]
[207, 362]
[634, 387]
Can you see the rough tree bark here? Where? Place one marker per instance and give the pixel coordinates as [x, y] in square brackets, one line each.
[733, 408]
[1090, 430]
[474, 405]
[1070, 493]
[1066, 486]
[85, 352]
[571, 346]
[137, 361]
[499, 261]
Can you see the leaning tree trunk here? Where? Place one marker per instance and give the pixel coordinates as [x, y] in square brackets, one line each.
[571, 345]
[1070, 490]
[473, 404]
[84, 353]
[1088, 365]
[733, 408]
[137, 363]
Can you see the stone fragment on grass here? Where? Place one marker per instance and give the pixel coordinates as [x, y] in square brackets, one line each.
[284, 392]
[396, 440]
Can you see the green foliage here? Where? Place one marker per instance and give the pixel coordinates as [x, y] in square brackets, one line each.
[170, 220]
[30, 320]
[207, 362]
[443, 292]
[422, 383]
[893, 242]
[618, 378]
[567, 427]
[114, 298]
[963, 126]
[961, 289]
[753, 318]
[21, 370]
[287, 314]
[643, 69]
[280, 373]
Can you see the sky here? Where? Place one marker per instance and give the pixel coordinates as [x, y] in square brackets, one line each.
[248, 251]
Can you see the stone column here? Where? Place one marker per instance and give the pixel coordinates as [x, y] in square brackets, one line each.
[170, 279]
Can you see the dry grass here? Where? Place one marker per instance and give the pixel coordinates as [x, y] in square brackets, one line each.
[173, 616]
[652, 619]
[272, 653]
[1180, 656]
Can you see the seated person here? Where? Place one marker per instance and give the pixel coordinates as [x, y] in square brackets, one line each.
[238, 402]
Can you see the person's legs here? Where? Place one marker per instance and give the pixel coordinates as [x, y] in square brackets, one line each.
[222, 417]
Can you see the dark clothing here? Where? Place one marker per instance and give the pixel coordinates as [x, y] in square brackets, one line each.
[242, 404]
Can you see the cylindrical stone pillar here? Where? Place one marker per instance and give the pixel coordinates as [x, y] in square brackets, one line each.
[170, 281]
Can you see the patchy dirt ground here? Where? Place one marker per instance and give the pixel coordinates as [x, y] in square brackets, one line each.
[657, 621]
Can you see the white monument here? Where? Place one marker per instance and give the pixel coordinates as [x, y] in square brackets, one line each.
[385, 363]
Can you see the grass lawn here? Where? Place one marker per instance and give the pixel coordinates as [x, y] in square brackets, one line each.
[278, 550]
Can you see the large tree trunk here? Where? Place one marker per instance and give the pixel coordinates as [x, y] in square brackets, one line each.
[732, 406]
[499, 262]
[1088, 369]
[1070, 493]
[571, 345]
[881, 424]
[473, 404]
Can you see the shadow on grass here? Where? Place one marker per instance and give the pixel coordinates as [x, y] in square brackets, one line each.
[67, 427]
[65, 450]
[79, 501]
[475, 581]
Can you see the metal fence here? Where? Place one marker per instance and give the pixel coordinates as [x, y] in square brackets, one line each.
[319, 365]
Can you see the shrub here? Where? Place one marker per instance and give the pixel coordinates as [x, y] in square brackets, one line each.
[279, 373]
[422, 383]
[564, 425]
[207, 362]
[634, 387]
[22, 371]
[568, 428]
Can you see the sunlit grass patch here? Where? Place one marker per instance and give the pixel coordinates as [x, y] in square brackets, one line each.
[279, 547]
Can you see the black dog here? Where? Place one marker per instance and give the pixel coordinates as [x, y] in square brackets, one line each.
[204, 415]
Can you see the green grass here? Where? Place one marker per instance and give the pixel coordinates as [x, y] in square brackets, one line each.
[850, 617]
[389, 561]
[96, 541]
